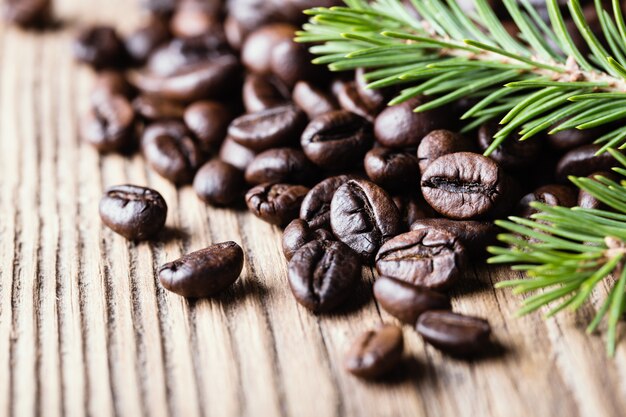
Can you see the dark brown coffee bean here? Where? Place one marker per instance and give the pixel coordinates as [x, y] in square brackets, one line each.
[298, 233]
[431, 258]
[286, 165]
[178, 54]
[439, 143]
[108, 84]
[313, 100]
[137, 213]
[322, 274]
[552, 195]
[511, 154]
[407, 302]
[465, 186]
[315, 209]
[566, 140]
[276, 203]
[157, 108]
[350, 100]
[400, 127]
[375, 99]
[391, 169]
[235, 154]
[475, 236]
[376, 352]
[453, 333]
[219, 183]
[143, 41]
[586, 200]
[261, 93]
[203, 273]
[269, 128]
[194, 18]
[28, 13]
[109, 125]
[412, 207]
[208, 121]
[583, 161]
[337, 140]
[99, 47]
[171, 152]
[256, 53]
[291, 62]
[363, 216]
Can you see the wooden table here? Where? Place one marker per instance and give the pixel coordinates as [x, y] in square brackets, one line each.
[85, 328]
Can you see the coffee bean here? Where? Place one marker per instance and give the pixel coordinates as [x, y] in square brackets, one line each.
[322, 274]
[298, 233]
[391, 169]
[256, 53]
[400, 127]
[552, 195]
[143, 41]
[235, 154]
[156, 108]
[235, 33]
[363, 216]
[286, 165]
[110, 83]
[412, 207]
[109, 125]
[261, 93]
[99, 47]
[375, 352]
[313, 100]
[407, 302]
[194, 18]
[219, 183]
[203, 273]
[511, 154]
[475, 236]
[465, 186]
[337, 140]
[137, 213]
[291, 62]
[276, 203]
[28, 13]
[439, 143]
[583, 161]
[159, 6]
[566, 140]
[431, 258]
[586, 200]
[350, 100]
[374, 99]
[269, 128]
[315, 209]
[453, 333]
[178, 54]
[208, 121]
[170, 151]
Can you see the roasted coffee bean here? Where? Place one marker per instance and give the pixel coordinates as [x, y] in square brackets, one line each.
[235, 33]
[199, 81]
[108, 84]
[315, 209]
[276, 203]
[552, 195]
[363, 216]
[256, 53]
[235, 154]
[208, 121]
[159, 6]
[453, 333]
[583, 161]
[194, 18]
[439, 143]
[374, 99]
[431, 258]
[298, 233]
[142, 42]
[99, 47]
[28, 13]
[177, 54]
[465, 186]
[586, 200]
[375, 352]
[475, 236]
[337, 140]
[400, 127]
[322, 274]
[313, 100]
[412, 207]
[261, 93]
[512, 154]
[203, 273]
[569, 139]
[392, 169]
[156, 108]
[109, 125]
[219, 183]
[350, 100]
[170, 151]
[269, 128]
[137, 213]
[407, 302]
[291, 61]
[286, 165]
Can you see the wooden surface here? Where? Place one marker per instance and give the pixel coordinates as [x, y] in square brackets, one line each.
[85, 328]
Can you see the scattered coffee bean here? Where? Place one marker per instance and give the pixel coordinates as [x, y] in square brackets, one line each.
[219, 183]
[583, 161]
[203, 273]
[586, 200]
[322, 274]
[453, 333]
[276, 203]
[137, 213]
[28, 13]
[312, 100]
[511, 154]
[178, 54]
[412, 207]
[286, 165]
[439, 143]
[350, 100]
[256, 53]
[100, 47]
[392, 169]
[142, 42]
[475, 236]
[375, 352]
[569, 139]
[156, 108]
[298, 233]
[208, 121]
[315, 209]
[108, 84]
[235, 154]
[552, 195]
[261, 93]
[373, 99]
[109, 125]
[193, 18]
[291, 61]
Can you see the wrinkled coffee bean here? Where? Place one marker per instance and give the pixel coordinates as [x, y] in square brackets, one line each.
[170, 151]
[298, 233]
[350, 100]
[391, 169]
[512, 154]
[28, 13]
[431, 258]
[552, 195]
[315, 209]
[465, 186]
[375, 352]
[109, 125]
[586, 200]
[269, 128]
[260, 93]
[178, 54]
[235, 154]
[276, 203]
[454, 334]
[322, 274]
[583, 161]
[256, 53]
[412, 207]
[287, 165]
[99, 47]
[203, 273]
[364, 217]
[312, 100]
[156, 108]
[142, 42]
[137, 213]
[407, 302]
[219, 183]
[337, 140]
[208, 121]
[439, 143]
[475, 236]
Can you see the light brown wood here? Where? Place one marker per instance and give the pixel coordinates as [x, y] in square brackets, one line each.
[86, 329]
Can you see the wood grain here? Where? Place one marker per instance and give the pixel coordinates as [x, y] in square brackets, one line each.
[86, 329]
